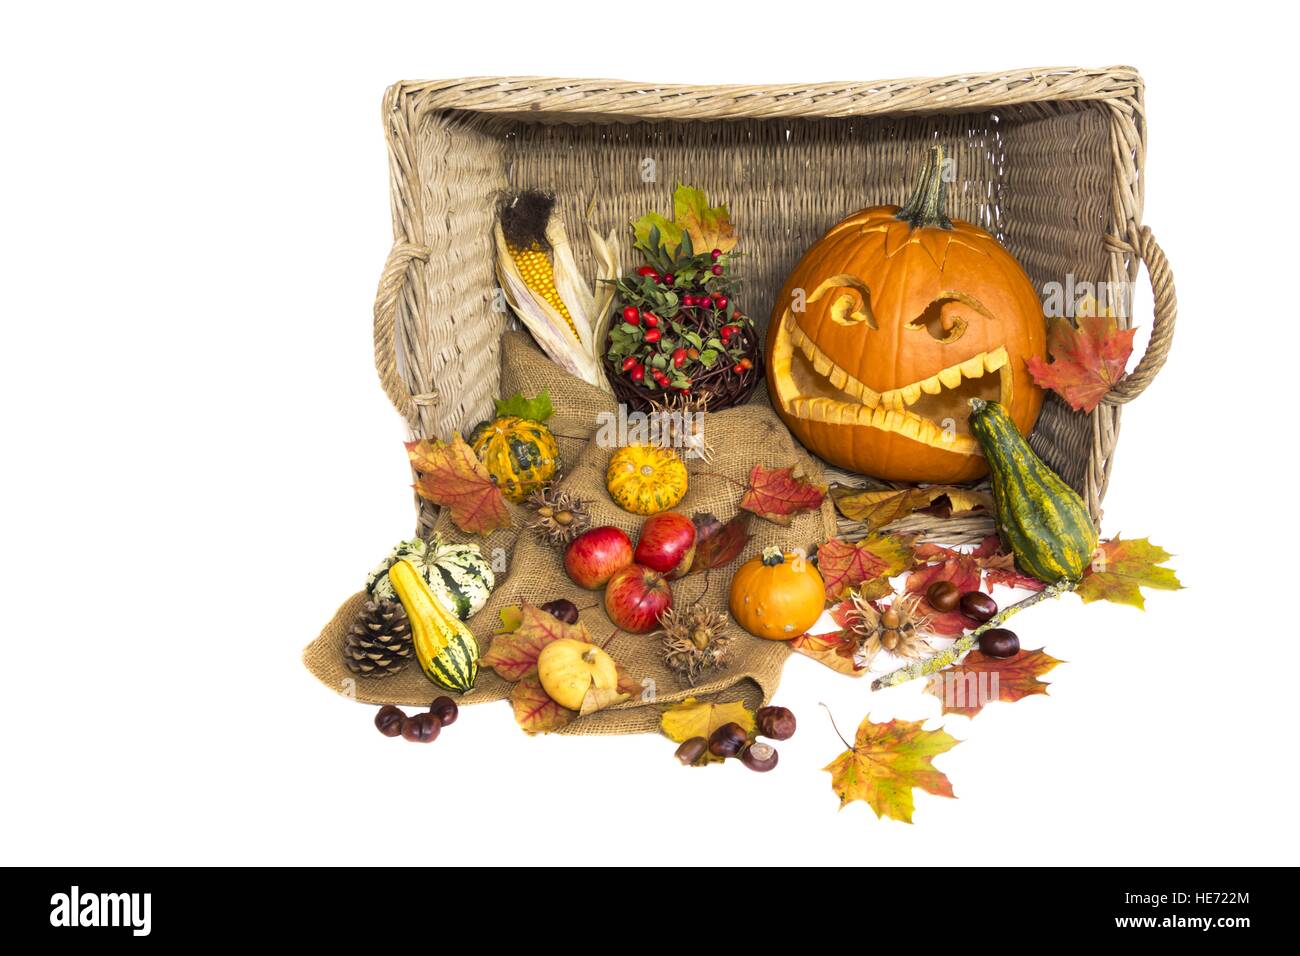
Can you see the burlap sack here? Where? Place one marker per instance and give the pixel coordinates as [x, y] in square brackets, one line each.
[740, 438]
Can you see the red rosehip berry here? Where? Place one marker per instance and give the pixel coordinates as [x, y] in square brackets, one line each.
[726, 332]
[717, 270]
[651, 320]
[716, 254]
[745, 364]
[720, 301]
[688, 301]
[630, 363]
[652, 335]
[648, 271]
[668, 279]
[638, 373]
[631, 315]
[679, 357]
[738, 369]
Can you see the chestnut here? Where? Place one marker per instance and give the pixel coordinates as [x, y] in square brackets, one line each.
[759, 757]
[978, 606]
[445, 709]
[728, 740]
[691, 751]
[942, 596]
[562, 609]
[999, 642]
[389, 720]
[776, 723]
[422, 728]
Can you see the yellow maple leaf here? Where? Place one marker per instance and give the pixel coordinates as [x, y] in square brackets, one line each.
[886, 761]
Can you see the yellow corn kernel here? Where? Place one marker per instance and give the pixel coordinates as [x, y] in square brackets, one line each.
[539, 275]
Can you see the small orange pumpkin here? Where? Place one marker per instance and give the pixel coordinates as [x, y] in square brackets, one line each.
[645, 479]
[887, 328]
[777, 595]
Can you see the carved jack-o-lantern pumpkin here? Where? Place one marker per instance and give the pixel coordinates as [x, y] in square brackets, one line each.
[886, 329]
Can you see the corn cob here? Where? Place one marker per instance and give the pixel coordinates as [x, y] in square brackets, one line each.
[534, 264]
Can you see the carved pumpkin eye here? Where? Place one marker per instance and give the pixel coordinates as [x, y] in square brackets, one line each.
[850, 300]
[947, 317]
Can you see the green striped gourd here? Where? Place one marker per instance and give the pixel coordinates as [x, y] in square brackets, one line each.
[457, 574]
[444, 646]
[1040, 518]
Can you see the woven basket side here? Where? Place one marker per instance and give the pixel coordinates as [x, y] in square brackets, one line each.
[445, 170]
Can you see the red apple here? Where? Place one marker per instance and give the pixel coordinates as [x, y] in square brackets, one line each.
[635, 597]
[667, 543]
[594, 556]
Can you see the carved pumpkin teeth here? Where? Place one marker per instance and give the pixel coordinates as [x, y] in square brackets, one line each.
[996, 359]
[932, 385]
[951, 377]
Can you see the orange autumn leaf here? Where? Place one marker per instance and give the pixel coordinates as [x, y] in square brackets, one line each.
[452, 477]
[885, 763]
[978, 680]
[877, 508]
[1121, 568]
[844, 565]
[778, 494]
[513, 654]
[1086, 361]
[535, 712]
[836, 649]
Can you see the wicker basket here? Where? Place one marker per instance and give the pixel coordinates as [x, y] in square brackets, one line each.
[1049, 160]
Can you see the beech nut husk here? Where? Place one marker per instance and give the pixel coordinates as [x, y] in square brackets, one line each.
[690, 751]
[728, 740]
[759, 757]
[775, 723]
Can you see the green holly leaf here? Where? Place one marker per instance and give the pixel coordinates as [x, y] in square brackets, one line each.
[535, 409]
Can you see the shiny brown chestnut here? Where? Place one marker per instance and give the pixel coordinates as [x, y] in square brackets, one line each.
[776, 723]
[728, 740]
[389, 720]
[978, 606]
[759, 757]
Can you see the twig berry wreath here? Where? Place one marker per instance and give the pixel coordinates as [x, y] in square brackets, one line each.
[906, 344]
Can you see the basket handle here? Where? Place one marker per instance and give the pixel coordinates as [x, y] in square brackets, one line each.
[392, 282]
[1166, 314]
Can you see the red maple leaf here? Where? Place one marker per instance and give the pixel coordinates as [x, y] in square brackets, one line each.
[451, 476]
[1086, 361]
[778, 494]
[968, 686]
[716, 543]
[844, 565]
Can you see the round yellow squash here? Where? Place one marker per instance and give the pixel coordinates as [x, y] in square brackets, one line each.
[519, 453]
[777, 595]
[645, 479]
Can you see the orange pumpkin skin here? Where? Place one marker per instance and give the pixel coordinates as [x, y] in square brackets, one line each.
[889, 304]
[777, 596]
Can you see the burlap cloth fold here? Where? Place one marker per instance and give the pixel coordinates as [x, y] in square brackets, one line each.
[740, 438]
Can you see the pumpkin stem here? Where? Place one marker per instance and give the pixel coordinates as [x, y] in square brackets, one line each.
[773, 556]
[926, 207]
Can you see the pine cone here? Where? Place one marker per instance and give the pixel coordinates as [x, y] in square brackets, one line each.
[379, 641]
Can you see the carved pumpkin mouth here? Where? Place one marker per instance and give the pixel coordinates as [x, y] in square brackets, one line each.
[933, 410]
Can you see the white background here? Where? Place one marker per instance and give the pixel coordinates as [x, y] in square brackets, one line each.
[199, 463]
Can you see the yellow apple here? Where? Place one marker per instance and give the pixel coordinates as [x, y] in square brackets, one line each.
[569, 668]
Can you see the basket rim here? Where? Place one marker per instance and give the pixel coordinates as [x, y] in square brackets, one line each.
[632, 100]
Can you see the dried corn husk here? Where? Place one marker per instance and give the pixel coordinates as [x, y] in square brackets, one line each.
[589, 310]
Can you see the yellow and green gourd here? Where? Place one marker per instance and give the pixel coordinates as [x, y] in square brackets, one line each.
[444, 646]
[1040, 518]
[519, 453]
